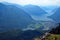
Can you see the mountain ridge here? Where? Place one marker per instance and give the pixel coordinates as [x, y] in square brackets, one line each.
[13, 17]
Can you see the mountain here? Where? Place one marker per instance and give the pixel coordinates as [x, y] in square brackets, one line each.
[13, 17]
[34, 11]
[49, 8]
[56, 15]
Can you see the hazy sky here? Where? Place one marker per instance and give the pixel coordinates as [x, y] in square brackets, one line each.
[34, 2]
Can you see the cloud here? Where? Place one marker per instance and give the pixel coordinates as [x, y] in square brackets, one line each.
[35, 2]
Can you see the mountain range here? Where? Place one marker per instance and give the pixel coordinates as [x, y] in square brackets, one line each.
[35, 11]
[13, 17]
[56, 15]
[18, 22]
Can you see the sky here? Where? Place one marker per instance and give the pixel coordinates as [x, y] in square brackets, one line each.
[34, 2]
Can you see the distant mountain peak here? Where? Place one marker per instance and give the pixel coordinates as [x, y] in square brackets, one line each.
[35, 10]
[56, 15]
